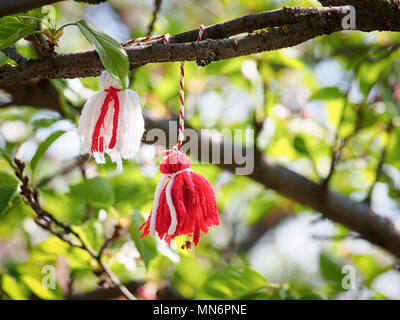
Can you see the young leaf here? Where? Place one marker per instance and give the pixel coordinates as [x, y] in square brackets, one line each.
[331, 270]
[43, 148]
[232, 283]
[6, 194]
[327, 93]
[112, 55]
[13, 29]
[16, 27]
[14, 289]
[96, 191]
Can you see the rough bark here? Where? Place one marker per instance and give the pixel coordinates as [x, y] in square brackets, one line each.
[310, 23]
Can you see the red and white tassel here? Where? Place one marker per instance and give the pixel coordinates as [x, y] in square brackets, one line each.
[184, 201]
[111, 122]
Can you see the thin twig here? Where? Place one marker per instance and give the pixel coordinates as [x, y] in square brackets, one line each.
[350, 235]
[339, 142]
[108, 240]
[379, 169]
[157, 6]
[46, 220]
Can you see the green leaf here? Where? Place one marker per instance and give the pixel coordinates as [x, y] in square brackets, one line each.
[112, 55]
[16, 27]
[146, 246]
[35, 284]
[62, 206]
[43, 122]
[13, 29]
[372, 72]
[37, 271]
[6, 194]
[261, 206]
[96, 191]
[300, 145]
[13, 215]
[393, 149]
[7, 180]
[43, 148]
[232, 283]
[8, 188]
[93, 233]
[331, 270]
[8, 159]
[369, 267]
[328, 93]
[15, 290]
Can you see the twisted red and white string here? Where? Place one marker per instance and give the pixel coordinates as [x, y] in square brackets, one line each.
[150, 38]
[181, 135]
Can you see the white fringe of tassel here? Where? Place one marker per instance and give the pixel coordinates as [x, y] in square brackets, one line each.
[130, 128]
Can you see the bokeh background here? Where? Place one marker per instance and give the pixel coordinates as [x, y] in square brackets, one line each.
[267, 246]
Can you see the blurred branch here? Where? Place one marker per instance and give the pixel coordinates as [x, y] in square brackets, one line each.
[16, 6]
[358, 216]
[292, 26]
[379, 168]
[47, 221]
[383, 11]
[350, 235]
[39, 93]
[157, 6]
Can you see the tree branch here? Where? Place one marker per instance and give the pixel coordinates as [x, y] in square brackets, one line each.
[8, 7]
[13, 54]
[385, 12]
[312, 22]
[157, 6]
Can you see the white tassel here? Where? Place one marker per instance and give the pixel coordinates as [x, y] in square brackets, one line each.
[130, 123]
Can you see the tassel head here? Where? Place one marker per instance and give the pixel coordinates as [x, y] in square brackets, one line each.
[174, 162]
[184, 202]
